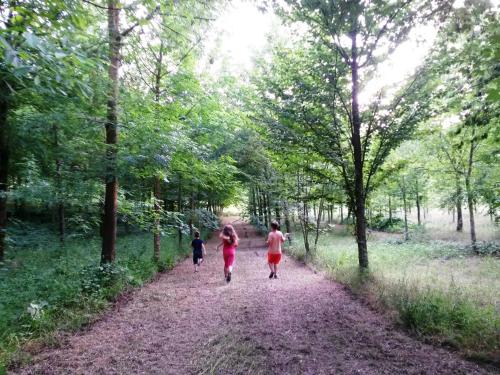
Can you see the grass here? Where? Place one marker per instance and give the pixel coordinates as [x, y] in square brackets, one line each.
[437, 289]
[45, 288]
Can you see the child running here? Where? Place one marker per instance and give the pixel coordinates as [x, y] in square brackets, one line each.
[274, 240]
[198, 250]
[229, 244]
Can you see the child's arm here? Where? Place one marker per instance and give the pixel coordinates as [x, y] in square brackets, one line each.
[219, 245]
[203, 248]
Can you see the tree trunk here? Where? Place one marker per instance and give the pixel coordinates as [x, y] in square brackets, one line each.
[318, 222]
[192, 215]
[4, 165]
[419, 221]
[269, 216]
[390, 210]
[264, 207]
[407, 237]
[359, 194]
[287, 219]
[110, 198]
[179, 200]
[470, 195]
[58, 183]
[341, 213]
[460, 220]
[157, 217]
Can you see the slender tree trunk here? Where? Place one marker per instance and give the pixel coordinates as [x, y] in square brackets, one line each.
[179, 200]
[390, 210]
[157, 217]
[110, 198]
[260, 206]
[192, 216]
[341, 213]
[460, 220]
[470, 195]
[253, 204]
[277, 213]
[60, 199]
[287, 219]
[156, 179]
[4, 165]
[407, 237]
[269, 216]
[264, 207]
[359, 193]
[318, 222]
[419, 221]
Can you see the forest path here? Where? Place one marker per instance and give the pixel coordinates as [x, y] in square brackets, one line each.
[195, 323]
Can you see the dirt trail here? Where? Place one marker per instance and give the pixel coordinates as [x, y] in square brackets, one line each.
[195, 323]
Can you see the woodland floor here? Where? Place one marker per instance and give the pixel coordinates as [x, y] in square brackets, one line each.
[195, 323]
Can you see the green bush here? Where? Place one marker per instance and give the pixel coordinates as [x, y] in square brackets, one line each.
[385, 224]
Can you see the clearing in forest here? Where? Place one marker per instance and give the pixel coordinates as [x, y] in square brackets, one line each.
[195, 323]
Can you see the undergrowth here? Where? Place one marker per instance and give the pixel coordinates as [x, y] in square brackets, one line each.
[440, 291]
[45, 287]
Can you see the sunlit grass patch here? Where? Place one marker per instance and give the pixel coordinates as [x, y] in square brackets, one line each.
[437, 289]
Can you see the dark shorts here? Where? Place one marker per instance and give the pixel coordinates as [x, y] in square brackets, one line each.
[197, 256]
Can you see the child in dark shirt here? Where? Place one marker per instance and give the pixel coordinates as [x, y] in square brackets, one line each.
[198, 250]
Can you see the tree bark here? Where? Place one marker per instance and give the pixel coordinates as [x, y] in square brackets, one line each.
[470, 195]
[287, 219]
[390, 210]
[403, 186]
[318, 222]
[419, 221]
[359, 194]
[4, 165]
[269, 216]
[157, 217]
[179, 200]
[60, 199]
[110, 199]
[264, 207]
[460, 220]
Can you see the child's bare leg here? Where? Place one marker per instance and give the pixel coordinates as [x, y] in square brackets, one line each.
[275, 267]
[270, 267]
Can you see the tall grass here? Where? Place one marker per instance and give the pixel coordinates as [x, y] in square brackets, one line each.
[437, 289]
[45, 287]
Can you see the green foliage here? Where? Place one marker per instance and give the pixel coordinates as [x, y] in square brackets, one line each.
[64, 288]
[379, 222]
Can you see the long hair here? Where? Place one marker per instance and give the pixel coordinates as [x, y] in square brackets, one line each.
[231, 233]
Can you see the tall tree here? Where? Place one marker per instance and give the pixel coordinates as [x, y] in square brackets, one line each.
[350, 38]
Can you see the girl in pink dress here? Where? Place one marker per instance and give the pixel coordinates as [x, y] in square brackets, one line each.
[229, 244]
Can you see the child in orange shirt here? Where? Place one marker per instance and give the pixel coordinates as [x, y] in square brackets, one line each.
[274, 240]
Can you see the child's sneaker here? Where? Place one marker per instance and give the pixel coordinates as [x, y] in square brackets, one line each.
[271, 275]
[275, 275]
[228, 279]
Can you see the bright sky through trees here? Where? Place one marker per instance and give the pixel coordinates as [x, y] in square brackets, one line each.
[242, 30]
